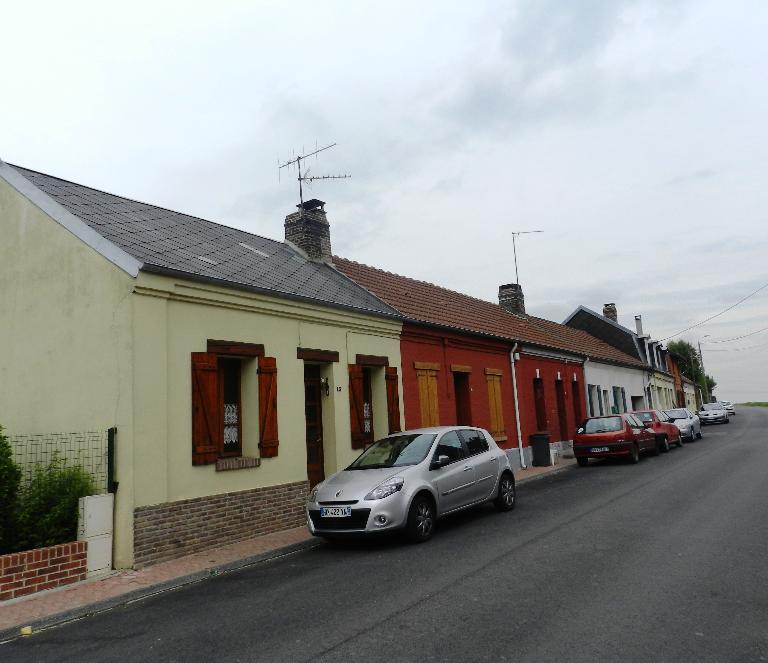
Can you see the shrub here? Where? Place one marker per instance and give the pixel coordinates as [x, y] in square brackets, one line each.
[10, 475]
[48, 505]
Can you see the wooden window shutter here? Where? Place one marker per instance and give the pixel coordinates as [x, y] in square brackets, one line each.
[356, 405]
[205, 408]
[393, 399]
[268, 439]
[427, 381]
[495, 406]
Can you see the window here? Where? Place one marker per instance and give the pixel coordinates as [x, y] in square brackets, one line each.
[475, 441]
[493, 381]
[603, 425]
[229, 388]
[450, 445]
[591, 396]
[396, 451]
[218, 379]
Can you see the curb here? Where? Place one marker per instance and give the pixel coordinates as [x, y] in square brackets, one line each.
[52, 621]
[544, 475]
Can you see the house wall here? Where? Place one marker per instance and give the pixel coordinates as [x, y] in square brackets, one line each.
[689, 394]
[607, 376]
[550, 370]
[65, 320]
[172, 319]
[663, 391]
[428, 345]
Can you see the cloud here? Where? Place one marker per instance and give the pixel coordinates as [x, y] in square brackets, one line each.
[694, 176]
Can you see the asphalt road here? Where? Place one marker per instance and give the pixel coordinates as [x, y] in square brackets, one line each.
[661, 561]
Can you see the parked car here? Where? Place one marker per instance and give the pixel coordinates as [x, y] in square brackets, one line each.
[728, 407]
[713, 413]
[408, 480]
[688, 423]
[665, 431]
[613, 435]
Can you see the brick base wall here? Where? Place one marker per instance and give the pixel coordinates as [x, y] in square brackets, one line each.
[174, 529]
[43, 568]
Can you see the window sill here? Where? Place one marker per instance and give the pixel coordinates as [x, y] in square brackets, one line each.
[500, 438]
[236, 463]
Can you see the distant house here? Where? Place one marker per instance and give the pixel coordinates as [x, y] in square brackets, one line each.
[469, 361]
[649, 384]
[238, 370]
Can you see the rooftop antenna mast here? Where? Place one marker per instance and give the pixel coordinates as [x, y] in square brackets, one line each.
[515, 235]
[303, 171]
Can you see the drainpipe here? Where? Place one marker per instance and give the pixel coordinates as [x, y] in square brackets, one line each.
[586, 390]
[517, 408]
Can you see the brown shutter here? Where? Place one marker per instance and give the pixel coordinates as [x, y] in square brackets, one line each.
[268, 440]
[356, 412]
[427, 382]
[493, 379]
[393, 399]
[205, 408]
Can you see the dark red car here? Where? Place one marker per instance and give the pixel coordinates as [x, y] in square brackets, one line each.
[665, 431]
[613, 435]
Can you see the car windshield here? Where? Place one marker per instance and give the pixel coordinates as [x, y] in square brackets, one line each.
[677, 414]
[644, 416]
[603, 425]
[711, 406]
[394, 451]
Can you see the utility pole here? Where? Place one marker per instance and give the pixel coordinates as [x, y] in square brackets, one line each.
[515, 234]
[703, 372]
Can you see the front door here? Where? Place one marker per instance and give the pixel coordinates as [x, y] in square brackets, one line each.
[313, 412]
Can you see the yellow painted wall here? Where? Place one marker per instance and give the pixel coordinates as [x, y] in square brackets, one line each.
[65, 333]
[173, 318]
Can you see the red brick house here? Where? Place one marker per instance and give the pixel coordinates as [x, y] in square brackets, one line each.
[468, 361]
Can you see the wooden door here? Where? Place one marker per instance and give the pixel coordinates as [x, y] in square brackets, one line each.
[313, 412]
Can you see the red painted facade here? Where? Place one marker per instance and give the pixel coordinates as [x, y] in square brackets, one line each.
[471, 355]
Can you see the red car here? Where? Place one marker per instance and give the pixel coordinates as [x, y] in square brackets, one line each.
[665, 431]
[613, 435]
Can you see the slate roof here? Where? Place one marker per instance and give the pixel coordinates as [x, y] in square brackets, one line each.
[171, 242]
[424, 302]
[619, 336]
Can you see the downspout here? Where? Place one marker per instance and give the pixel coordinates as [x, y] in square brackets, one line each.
[517, 408]
[586, 391]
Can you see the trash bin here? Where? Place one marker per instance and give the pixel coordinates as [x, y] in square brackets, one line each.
[540, 446]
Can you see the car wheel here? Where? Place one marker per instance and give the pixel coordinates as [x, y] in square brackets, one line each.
[655, 451]
[727, 421]
[582, 461]
[505, 501]
[679, 441]
[421, 519]
[698, 435]
[634, 455]
[664, 443]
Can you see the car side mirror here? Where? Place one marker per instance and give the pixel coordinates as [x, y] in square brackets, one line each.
[439, 462]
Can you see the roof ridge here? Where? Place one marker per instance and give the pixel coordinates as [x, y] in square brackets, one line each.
[142, 202]
[429, 283]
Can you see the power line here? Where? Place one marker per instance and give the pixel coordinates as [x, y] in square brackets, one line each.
[737, 338]
[717, 315]
[749, 347]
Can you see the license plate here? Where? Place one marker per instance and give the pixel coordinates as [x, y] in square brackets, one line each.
[597, 450]
[335, 511]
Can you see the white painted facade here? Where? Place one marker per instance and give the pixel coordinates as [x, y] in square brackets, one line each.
[612, 388]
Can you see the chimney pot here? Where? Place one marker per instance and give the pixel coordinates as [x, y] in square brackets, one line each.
[639, 324]
[609, 311]
[511, 298]
[309, 230]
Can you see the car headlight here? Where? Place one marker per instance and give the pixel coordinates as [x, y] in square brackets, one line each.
[312, 497]
[385, 489]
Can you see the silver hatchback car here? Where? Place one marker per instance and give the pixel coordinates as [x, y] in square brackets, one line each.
[410, 479]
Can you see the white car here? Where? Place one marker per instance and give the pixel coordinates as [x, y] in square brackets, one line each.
[410, 479]
[728, 407]
[688, 423]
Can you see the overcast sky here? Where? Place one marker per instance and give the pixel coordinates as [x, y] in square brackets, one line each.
[632, 133]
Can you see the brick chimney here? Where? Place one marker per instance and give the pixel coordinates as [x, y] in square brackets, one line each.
[511, 298]
[609, 311]
[309, 230]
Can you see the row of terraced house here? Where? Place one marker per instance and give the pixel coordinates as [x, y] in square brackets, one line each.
[239, 370]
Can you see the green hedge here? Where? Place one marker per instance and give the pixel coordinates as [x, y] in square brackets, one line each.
[10, 476]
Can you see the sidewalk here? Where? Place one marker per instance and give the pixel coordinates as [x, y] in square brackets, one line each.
[92, 596]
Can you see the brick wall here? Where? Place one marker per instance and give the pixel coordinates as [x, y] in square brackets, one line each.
[173, 529]
[44, 568]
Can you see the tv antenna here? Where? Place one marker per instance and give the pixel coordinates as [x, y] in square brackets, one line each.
[515, 235]
[304, 173]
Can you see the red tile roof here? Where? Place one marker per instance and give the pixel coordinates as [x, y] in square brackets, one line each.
[425, 302]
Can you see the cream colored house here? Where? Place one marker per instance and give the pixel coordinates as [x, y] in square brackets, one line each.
[236, 369]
